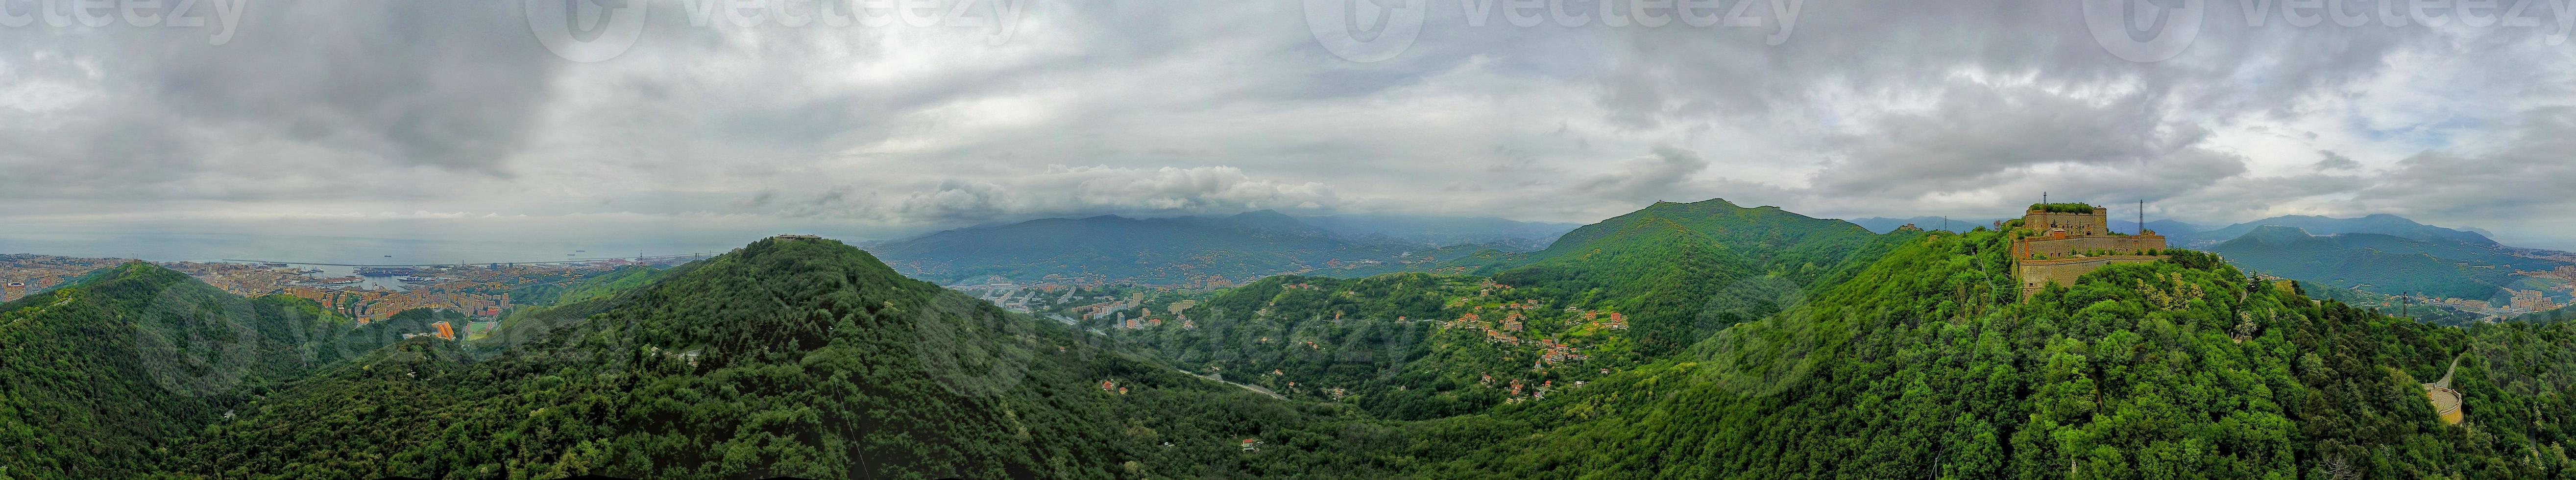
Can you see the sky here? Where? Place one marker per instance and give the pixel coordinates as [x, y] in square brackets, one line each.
[716, 119]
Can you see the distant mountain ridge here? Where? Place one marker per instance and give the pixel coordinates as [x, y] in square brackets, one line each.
[2374, 262]
[1194, 251]
[1442, 231]
[2383, 224]
[2390, 255]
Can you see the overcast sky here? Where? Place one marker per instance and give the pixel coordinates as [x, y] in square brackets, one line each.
[458, 118]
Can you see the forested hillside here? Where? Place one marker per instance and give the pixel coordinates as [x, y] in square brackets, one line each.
[1894, 356]
[1677, 267]
[1400, 346]
[1607, 296]
[106, 376]
[1926, 366]
[805, 358]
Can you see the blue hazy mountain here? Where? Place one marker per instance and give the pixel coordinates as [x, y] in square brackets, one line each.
[1442, 231]
[1195, 251]
[2383, 224]
[2168, 228]
[2441, 266]
[2370, 261]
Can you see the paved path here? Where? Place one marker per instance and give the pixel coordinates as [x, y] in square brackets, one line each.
[2446, 374]
[1263, 391]
[2446, 402]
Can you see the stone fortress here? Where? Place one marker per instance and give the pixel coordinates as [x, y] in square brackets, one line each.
[2070, 241]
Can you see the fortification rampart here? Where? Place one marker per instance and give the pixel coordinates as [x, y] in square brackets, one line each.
[2076, 224]
[2037, 274]
[2065, 245]
[2060, 247]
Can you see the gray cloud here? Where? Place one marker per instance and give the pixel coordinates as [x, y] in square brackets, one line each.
[2336, 161]
[1654, 176]
[2510, 186]
[1080, 191]
[336, 110]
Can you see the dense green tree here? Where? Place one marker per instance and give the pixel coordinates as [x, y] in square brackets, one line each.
[1754, 355]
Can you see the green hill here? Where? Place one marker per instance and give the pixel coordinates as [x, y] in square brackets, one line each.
[1840, 356]
[1418, 346]
[106, 376]
[1677, 267]
[786, 357]
[1401, 346]
[587, 287]
[1917, 368]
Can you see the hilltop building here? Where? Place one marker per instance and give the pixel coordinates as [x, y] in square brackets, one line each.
[2069, 240]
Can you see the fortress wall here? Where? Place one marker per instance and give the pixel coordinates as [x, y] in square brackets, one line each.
[2069, 246]
[2077, 224]
[2036, 274]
